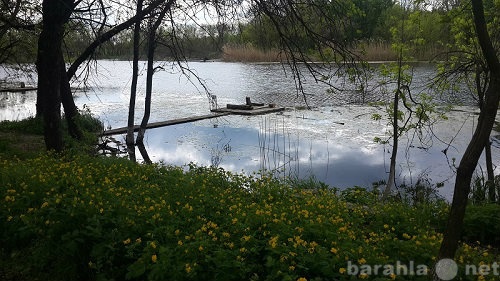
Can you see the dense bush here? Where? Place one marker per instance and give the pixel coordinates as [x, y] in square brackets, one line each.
[482, 223]
[85, 218]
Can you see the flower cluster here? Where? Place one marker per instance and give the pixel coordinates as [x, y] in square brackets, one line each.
[110, 218]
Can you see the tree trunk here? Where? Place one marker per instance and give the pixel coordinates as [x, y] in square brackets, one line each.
[49, 56]
[144, 153]
[149, 88]
[70, 109]
[481, 134]
[131, 153]
[149, 75]
[391, 181]
[133, 87]
[490, 182]
[49, 80]
[395, 140]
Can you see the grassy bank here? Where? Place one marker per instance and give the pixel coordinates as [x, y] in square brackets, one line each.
[24, 138]
[100, 218]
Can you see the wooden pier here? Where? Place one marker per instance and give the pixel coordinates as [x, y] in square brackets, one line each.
[245, 109]
[252, 110]
[123, 130]
[16, 89]
[249, 108]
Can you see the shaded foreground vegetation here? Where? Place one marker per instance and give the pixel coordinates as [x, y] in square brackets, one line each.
[79, 217]
[24, 138]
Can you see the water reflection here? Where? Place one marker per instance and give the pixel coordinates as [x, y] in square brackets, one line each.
[251, 150]
[18, 105]
[333, 142]
[298, 144]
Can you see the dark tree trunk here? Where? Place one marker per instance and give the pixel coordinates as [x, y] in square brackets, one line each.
[149, 88]
[394, 154]
[490, 182]
[133, 87]
[49, 79]
[70, 109]
[131, 153]
[144, 153]
[49, 56]
[481, 135]
[149, 76]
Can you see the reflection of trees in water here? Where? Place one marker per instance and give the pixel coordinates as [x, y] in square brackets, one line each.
[217, 153]
[279, 154]
[109, 145]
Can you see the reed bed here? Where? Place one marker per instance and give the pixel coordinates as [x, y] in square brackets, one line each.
[367, 51]
[249, 53]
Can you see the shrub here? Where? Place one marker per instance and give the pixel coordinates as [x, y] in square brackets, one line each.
[97, 218]
[482, 224]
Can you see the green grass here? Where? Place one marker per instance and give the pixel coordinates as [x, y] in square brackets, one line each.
[24, 139]
[103, 218]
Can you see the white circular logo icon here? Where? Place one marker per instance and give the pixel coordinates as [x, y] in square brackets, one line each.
[446, 269]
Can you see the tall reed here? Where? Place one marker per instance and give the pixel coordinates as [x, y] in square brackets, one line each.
[372, 50]
[249, 53]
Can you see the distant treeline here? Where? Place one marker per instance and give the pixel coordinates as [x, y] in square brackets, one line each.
[369, 32]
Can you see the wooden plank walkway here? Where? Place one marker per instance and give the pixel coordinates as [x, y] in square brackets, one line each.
[256, 110]
[13, 90]
[123, 130]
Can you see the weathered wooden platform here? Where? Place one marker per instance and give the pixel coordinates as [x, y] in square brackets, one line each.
[249, 108]
[253, 110]
[18, 89]
[123, 130]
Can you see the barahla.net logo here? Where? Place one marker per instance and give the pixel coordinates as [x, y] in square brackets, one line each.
[446, 269]
[398, 268]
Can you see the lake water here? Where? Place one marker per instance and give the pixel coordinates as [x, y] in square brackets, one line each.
[333, 141]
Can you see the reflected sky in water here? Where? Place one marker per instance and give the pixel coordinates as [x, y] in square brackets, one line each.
[332, 142]
[297, 144]
[216, 142]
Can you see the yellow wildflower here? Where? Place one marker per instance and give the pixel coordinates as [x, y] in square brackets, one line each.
[273, 241]
[125, 242]
[333, 251]
[302, 279]
[342, 270]
[154, 258]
